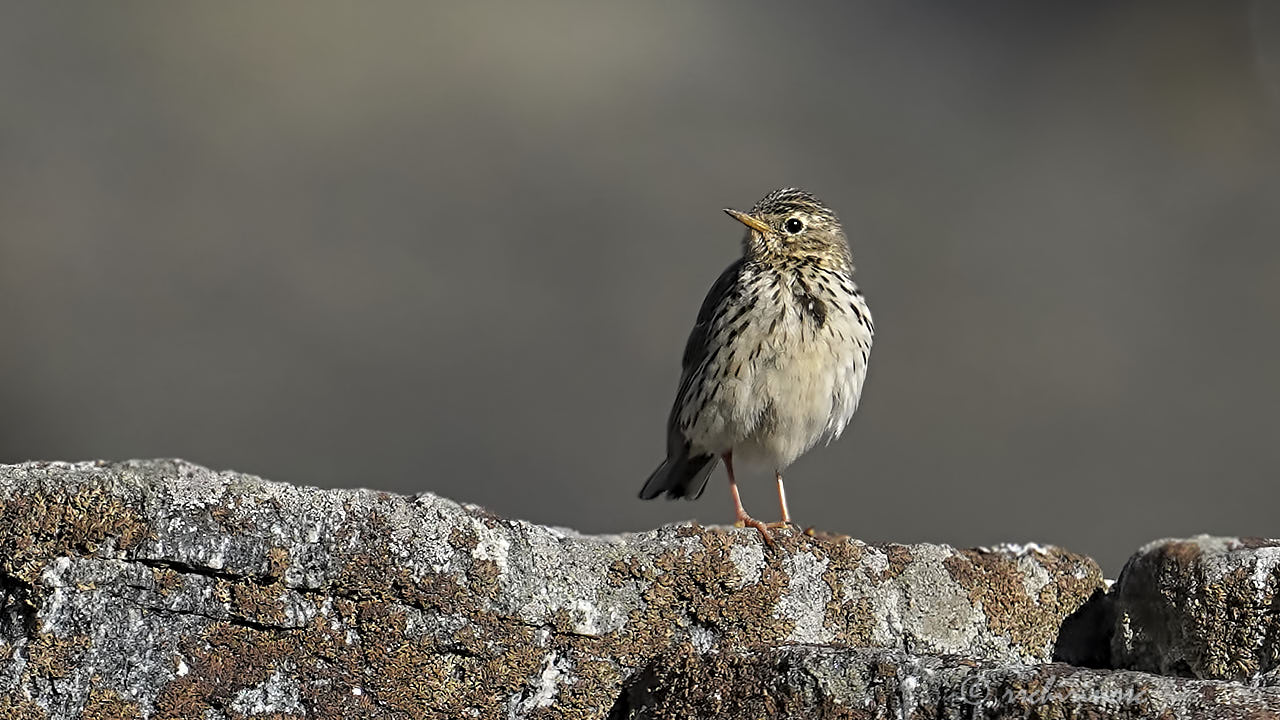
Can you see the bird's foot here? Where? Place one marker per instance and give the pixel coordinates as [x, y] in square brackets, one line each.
[765, 529]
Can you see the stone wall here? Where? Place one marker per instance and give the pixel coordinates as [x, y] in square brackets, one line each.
[163, 589]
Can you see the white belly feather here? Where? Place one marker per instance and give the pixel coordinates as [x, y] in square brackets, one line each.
[801, 387]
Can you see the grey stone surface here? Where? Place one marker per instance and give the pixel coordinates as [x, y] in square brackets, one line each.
[1205, 607]
[164, 589]
[815, 683]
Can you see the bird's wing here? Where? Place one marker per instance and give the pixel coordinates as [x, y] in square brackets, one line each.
[696, 347]
[683, 474]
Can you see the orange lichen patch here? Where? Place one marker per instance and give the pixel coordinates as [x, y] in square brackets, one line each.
[277, 562]
[899, 557]
[12, 708]
[1182, 554]
[827, 536]
[223, 660]
[995, 581]
[704, 583]
[438, 591]
[374, 576]
[839, 550]
[108, 705]
[852, 621]
[463, 538]
[40, 526]
[167, 580]
[364, 576]
[595, 678]
[627, 569]
[54, 656]
[482, 577]
[428, 673]
[258, 603]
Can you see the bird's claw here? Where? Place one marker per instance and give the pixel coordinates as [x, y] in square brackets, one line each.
[765, 529]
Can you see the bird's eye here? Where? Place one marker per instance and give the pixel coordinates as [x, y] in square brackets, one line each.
[793, 226]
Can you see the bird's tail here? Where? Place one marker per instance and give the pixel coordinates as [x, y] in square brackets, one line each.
[679, 477]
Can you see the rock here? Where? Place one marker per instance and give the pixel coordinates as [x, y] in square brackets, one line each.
[813, 683]
[1207, 607]
[1085, 637]
[163, 589]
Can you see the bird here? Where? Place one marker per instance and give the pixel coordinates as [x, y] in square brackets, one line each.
[777, 357]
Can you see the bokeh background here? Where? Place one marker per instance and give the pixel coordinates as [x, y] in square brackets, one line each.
[458, 247]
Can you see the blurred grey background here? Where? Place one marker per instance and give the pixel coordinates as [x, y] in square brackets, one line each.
[458, 247]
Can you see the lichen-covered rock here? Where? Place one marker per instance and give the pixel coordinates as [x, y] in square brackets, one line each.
[1207, 607]
[163, 589]
[817, 683]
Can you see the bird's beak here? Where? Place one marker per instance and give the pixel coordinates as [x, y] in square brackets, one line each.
[748, 220]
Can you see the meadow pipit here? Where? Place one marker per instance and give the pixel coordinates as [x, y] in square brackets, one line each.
[777, 356]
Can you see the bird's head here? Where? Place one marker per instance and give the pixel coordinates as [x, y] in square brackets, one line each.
[791, 223]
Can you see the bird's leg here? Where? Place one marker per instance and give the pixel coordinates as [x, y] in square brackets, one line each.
[782, 502]
[742, 518]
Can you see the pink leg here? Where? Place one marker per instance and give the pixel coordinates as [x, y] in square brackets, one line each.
[742, 518]
[782, 500]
